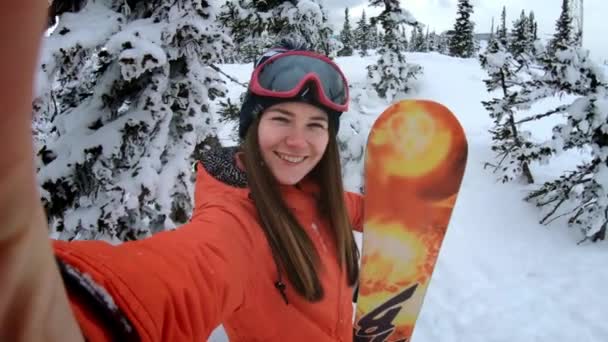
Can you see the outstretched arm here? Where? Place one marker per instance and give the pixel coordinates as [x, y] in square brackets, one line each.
[33, 302]
[174, 286]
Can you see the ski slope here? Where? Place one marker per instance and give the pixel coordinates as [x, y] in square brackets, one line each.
[500, 275]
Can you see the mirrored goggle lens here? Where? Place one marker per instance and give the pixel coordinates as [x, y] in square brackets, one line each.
[284, 74]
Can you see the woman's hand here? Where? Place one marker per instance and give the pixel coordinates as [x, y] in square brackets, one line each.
[33, 302]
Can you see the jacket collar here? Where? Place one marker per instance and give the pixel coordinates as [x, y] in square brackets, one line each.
[220, 163]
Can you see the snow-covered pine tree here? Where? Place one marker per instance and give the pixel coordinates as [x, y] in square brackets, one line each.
[413, 38]
[132, 88]
[534, 39]
[405, 45]
[462, 43]
[419, 44]
[476, 46]
[266, 22]
[492, 30]
[306, 20]
[580, 195]
[521, 41]
[563, 37]
[314, 21]
[443, 43]
[533, 26]
[433, 42]
[362, 35]
[513, 148]
[391, 73]
[346, 36]
[426, 40]
[501, 32]
[373, 36]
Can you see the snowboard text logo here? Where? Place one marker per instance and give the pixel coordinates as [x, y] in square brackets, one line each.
[377, 325]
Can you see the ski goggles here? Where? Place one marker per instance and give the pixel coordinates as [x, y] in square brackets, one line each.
[286, 74]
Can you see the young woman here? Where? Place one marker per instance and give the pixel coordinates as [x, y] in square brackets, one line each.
[269, 251]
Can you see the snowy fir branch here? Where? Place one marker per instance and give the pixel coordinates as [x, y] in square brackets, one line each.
[232, 78]
[558, 110]
[582, 195]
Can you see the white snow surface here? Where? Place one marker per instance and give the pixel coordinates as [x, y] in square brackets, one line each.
[500, 276]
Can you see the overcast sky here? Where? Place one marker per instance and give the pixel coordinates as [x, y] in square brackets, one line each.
[440, 16]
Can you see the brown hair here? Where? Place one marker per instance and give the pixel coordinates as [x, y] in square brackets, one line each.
[291, 246]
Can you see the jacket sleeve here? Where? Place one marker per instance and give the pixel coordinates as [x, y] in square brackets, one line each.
[354, 205]
[174, 286]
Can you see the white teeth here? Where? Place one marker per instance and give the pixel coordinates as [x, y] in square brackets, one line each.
[290, 158]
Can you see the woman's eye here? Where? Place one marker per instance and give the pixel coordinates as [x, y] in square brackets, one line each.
[317, 125]
[280, 119]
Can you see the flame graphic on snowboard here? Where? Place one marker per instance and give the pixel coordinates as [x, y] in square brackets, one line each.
[415, 160]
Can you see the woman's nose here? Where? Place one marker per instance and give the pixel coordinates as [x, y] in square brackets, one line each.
[296, 137]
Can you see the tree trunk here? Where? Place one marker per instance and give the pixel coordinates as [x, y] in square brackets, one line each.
[525, 167]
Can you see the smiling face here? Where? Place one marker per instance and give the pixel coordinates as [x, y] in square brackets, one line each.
[293, 137]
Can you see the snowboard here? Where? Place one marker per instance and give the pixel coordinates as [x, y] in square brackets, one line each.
[415, 160]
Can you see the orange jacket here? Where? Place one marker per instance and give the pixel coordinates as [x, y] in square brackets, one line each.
[217, 269]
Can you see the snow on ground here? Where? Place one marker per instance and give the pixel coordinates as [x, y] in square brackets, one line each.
[500, 275]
